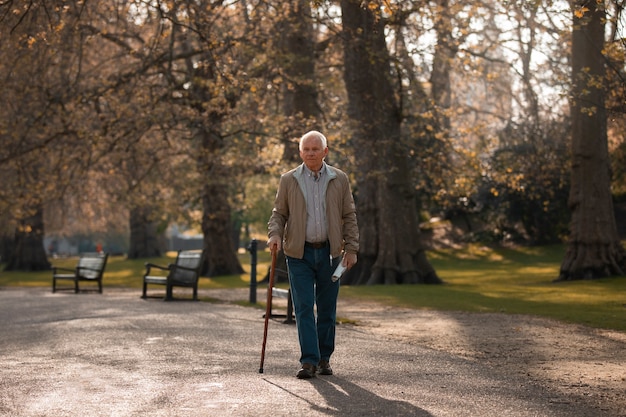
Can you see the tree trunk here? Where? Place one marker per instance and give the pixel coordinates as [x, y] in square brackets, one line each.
[594, 249]
[445, 51]
[220, 257]
[6, 248]
[144, 239]
[29, 253]
[391, 251]
[297, 61]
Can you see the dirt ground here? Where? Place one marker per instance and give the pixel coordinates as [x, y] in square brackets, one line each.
[576, 360]
[74, 355]
[584, 362]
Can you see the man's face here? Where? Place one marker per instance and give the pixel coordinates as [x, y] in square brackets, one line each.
[312, 153]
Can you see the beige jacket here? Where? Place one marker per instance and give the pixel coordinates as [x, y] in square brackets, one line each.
[288, 218]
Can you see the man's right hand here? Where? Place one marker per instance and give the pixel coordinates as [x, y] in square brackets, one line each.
[274, 243]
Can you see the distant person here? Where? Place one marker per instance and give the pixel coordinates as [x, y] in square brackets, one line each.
[314, 222]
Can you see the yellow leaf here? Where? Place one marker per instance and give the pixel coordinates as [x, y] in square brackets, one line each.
[387, 8]
[579, 13]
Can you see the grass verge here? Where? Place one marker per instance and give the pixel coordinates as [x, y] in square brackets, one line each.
[513, 281]
[477, 279]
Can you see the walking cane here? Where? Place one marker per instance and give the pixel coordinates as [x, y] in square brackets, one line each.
[268, 307]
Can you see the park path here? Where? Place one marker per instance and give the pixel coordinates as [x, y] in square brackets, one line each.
[117, 355]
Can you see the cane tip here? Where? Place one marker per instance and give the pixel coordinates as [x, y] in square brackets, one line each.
[260, 370]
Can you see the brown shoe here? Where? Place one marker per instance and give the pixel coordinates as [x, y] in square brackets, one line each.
[307, 371]
[325, 368]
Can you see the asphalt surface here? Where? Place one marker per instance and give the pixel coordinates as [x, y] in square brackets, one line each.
[115, 354]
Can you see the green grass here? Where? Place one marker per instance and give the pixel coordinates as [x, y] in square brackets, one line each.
[477, 279]
[513, 281]
[127, 273]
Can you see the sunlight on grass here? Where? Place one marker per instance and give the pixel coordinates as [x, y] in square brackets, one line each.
[518, 281]
[477, 279]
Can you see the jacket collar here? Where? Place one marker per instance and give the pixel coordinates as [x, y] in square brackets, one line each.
[300, 171]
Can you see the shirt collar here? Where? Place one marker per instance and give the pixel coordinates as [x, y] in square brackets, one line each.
[309, 173]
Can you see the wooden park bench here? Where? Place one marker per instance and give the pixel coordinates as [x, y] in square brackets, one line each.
[90, 267]
[285, 294]
[281, 275]
[184, 272]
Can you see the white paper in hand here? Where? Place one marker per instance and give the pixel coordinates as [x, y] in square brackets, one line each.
[338, 271]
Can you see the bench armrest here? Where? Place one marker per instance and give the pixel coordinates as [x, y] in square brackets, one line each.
[59, 268]
[149, 266]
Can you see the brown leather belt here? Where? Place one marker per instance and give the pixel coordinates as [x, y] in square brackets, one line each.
[316, 245]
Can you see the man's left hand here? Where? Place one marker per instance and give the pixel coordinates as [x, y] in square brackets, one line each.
[349, 259]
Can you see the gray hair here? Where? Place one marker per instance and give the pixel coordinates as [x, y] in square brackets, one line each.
[314, 133]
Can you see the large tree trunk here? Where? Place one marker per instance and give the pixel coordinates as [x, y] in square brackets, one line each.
[220, 253]
[594, 248]
[297, 47]
[6, 248]
[29, 253]
[144, 238]
[220, 256]
[391, 251]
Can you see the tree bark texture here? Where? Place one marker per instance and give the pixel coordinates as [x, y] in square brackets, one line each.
[390, 247]
[297, 60]
[445, 52]
[6, 248]
[29, 253]
[594, 249]
[220, 256]
[144, 239]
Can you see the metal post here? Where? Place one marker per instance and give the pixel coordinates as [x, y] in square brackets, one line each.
[252, 248]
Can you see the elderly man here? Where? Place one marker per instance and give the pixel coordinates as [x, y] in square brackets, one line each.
[314, 222]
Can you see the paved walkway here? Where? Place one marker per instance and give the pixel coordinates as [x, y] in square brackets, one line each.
[117, 355]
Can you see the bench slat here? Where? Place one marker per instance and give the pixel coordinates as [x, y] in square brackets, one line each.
[280, 293]
[155, 280]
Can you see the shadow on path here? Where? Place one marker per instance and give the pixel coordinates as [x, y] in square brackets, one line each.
[344, 398]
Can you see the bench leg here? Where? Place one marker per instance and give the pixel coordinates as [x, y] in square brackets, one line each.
[76, 286]
[289, 308]
[54, 285]
[195, 293]
[145, 289]
[168, 293]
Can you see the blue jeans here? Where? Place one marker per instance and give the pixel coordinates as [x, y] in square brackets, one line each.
[311, 286]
